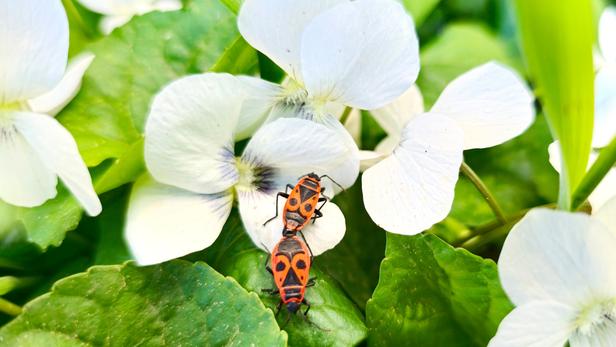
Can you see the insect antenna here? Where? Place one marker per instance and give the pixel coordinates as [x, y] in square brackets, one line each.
[331, 179]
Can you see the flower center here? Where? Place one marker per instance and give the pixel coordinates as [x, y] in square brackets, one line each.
[253, 176]
[13, 106]
[596, 317]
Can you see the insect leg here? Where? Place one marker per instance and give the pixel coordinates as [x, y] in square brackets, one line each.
[278, 308]
[284, 195]
[305, 302]
[317, 214]
[267, 267]
[311, 282]
[307, 245]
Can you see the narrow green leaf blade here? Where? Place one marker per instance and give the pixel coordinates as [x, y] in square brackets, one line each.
[557, 37]
[431, 294]
[173, 304]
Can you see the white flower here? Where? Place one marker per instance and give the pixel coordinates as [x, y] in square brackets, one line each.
[361, 54]
[558, 269]
[119, 12]
[412, 188]
[34, 148]
[189, 150]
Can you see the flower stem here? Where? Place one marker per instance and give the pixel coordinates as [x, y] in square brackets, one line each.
[484, 233]
[345, 114]
[9, 307]
[603, 164]
[483, 189]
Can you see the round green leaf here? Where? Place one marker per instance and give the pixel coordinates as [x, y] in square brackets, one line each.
[173, 304]
[431, 294]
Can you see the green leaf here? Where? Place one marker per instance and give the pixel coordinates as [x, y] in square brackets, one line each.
[176, 303]
[431, 294]
[333, 320]
[355, 261]
[420, 9]
[557, 38]
[459, 48]
[134, 63]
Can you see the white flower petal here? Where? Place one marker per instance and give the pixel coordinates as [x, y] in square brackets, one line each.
[275, 28]
[257, 207]
[189, 133]
[363, 54]
[167, 5]
[605, 190]
[257, 97]
[491, 104]
[165, 222]
[353, 125]
[111, 22]
[367, 159]
[293, 147]
[34, 46]
[25, 180]
[607, 214]
[56, 99]
[605, 106]
[413, 188]
[57, 149]
[393, 117]
[555, 155]
[536, 324]
[607, 34]
[115, 7]
[556, 255]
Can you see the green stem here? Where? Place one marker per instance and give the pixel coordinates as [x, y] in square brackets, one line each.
[482, 234]
[9, 308]
[483, 189]
[603, 164]
[10, 283]
[345, 114]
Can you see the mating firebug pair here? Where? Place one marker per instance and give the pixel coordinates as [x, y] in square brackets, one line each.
[291, 258]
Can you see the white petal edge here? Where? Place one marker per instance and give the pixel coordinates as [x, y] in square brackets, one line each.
[412, 189]
[52, 102]
[34, 48]
[605, 190]
[275, 28]
[366, 60]
[607, 34]
[607, 214]
[561, 256]
[294, 147]
[116, 7]
[109, 23]
[57, 149]
[256, 208]
[257, 98]
[536, 324]
[604, 129]
[25, 180]
[393, 117]
[491, 103]
[189, 133]
[165, 222]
